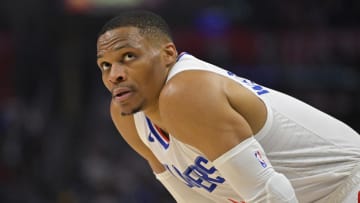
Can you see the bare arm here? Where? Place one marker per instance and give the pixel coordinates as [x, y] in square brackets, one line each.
[126, 126]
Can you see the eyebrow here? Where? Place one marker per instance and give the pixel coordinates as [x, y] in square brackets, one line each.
[115, 49]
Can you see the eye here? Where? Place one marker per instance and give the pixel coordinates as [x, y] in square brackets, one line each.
[105, 66]
[128, 57]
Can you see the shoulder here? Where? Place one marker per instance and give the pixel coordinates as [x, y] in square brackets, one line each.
[195, 108]
[205, 96]
[190, 89]
[201, 88]
[193, 98]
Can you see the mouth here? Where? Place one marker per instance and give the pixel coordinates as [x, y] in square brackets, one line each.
[121, 94]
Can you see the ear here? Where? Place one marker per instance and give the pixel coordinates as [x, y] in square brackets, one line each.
[169, 54]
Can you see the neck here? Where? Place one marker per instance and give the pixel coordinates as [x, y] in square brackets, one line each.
[152, 111]
[153, 114]
[155, 118]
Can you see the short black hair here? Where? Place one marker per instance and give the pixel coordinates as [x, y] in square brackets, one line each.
[147, 22]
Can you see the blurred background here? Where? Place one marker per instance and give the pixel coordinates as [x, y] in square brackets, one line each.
[57, 142]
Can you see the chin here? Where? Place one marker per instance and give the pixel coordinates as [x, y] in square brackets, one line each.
[131, 112]
[126, 114]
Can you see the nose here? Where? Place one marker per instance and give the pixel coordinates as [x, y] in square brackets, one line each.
[117, 73]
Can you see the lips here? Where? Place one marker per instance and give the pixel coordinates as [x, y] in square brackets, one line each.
[121, 94]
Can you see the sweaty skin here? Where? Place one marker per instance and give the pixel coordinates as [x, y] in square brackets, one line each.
[190, 106]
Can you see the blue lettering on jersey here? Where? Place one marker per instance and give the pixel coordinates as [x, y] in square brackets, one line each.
[199, 175]
[231, 73]
[150, 138]
[257, 88]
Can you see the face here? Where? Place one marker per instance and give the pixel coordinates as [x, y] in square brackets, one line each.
[134, 68]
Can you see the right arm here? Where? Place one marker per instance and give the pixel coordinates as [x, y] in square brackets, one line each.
[126, 127]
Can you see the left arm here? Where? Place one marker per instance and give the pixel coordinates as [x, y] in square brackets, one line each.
[212, 114]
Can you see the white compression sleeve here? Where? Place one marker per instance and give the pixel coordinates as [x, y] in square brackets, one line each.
[181, 192]
[248, 170]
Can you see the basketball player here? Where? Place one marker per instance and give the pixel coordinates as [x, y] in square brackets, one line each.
[212, 136]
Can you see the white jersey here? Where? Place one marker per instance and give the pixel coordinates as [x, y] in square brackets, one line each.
[313, 150]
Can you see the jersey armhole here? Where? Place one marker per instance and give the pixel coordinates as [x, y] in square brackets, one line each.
[268, 122]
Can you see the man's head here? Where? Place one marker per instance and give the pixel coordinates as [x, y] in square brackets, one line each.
[135, 52]
[148, 23]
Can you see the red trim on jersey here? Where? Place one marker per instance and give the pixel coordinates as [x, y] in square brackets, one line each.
[161, 132]
[233, 201]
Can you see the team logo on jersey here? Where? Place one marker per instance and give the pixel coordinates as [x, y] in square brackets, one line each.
[260, 159]
[200, 174]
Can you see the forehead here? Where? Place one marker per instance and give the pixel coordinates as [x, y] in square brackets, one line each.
[114, 39]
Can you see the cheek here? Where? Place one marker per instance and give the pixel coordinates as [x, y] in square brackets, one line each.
[143, 81]
[153, 81]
